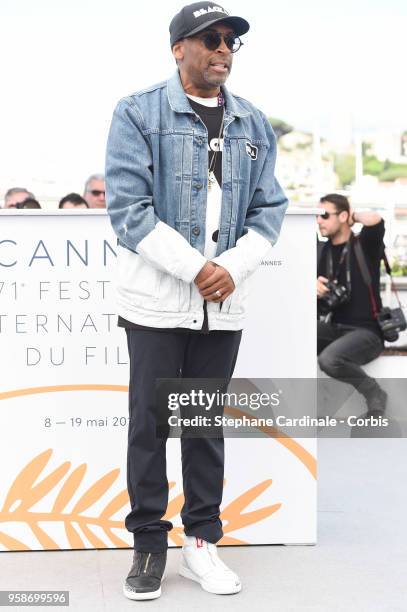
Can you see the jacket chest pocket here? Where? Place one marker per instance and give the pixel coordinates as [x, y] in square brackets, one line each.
[248, 158]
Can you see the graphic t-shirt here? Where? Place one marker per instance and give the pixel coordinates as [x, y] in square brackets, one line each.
[211, 115]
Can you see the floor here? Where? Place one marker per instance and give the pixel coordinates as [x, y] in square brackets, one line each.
[359, 563]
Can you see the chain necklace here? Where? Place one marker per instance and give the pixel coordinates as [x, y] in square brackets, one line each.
[211, 167]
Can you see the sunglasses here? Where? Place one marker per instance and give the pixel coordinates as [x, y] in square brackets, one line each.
[326, 215]
[212, 40]
[96, 192]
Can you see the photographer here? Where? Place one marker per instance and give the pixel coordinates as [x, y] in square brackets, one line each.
[348, 334]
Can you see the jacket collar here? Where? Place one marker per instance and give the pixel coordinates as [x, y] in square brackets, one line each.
[179, 103]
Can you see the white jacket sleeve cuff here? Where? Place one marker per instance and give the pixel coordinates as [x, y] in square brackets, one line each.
[168, 251]
[243, 259]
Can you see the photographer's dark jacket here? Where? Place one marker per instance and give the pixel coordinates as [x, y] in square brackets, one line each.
[358, 310]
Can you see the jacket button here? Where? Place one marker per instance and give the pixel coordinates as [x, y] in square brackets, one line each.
[199, 140]
[198, 186]
[196, 231]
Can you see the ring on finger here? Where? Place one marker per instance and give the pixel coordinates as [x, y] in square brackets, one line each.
[218, 293]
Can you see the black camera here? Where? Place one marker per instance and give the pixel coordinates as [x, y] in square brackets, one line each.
[391, 322]
[337, 295]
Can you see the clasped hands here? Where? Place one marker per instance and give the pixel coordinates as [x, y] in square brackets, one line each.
[214, 282]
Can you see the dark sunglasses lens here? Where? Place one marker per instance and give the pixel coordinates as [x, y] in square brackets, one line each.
[213, 40]
[325, 215]
[233, 43]
[97, 192]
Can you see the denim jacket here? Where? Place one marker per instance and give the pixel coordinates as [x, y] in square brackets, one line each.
[156, 184]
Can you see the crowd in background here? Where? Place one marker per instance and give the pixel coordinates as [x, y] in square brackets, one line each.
[93, 196]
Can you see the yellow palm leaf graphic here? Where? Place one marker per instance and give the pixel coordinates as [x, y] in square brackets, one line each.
[96, 491]
[23, 489]
[12, 543]
[228, 541]
[69, 488]
[73, 538]
[233, 512]
[78, 526]
[93, 539]
[117, 503]
[118, 542]
[44, 539]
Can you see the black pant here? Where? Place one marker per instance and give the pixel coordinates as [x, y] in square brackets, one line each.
[157, 354]
[342, 349]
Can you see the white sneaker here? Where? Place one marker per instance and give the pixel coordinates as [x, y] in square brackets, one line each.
[200, 562]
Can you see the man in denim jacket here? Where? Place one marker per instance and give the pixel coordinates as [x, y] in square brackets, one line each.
[193, 199]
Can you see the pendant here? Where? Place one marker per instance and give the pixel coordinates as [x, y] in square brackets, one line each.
[211, 179]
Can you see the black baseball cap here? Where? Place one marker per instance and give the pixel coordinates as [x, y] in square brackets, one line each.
[198, 16]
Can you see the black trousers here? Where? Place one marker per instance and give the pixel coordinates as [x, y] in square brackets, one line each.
[159, 354]
[343, 349]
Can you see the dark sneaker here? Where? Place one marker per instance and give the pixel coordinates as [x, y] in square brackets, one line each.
[144, 579]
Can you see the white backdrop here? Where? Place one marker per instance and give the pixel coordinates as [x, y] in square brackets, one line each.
[64, 377]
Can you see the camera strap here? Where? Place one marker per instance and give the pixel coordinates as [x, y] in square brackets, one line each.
[388, 270]
[367, 277]
[344, 255]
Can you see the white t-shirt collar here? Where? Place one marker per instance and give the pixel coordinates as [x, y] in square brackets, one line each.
[204, 101]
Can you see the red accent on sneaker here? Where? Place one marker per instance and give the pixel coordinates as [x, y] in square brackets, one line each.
[199, 542]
